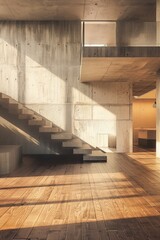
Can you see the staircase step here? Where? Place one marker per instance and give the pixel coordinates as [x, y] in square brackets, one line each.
[77, 143]
[36, 122]
[49, 129]
[9, 100]
[14, 108]
[92, 158]
[95, 156]
[82, 151]
[27, 111]
[61, 136]
[6, 99]
[3, 97]
[48, 123]
[24, 116]
[11, 106]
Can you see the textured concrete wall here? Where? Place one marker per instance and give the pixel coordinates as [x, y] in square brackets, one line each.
[158, 21]
[134, 33]
[122, 33]
[158, 86]
[40, 67]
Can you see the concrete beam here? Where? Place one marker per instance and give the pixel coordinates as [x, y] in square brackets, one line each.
[158, 119]
[121, 52]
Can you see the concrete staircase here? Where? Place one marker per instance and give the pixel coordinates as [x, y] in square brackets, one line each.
[67, 140]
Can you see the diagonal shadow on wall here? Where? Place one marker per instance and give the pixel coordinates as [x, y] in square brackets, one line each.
[41, 64]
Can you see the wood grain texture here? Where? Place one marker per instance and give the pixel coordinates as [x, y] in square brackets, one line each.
[117, 200]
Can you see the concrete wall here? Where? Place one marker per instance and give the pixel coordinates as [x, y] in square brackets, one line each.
[122, 33]
[40, 67]
[158, 21]
[100, 33]
[134, 33]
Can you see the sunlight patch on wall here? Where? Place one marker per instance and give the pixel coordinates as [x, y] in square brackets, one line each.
[41, 83]
[8, 69]
[95, 124]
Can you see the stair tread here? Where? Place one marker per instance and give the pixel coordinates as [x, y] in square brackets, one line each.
[75, 142]
[97, 156]
[24, 116]
[27, 111]
[81, 151]
[37, 122]
[49, 129]
[61, 136]
[72, 145]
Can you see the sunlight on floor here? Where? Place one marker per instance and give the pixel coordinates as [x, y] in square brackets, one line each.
[47, 200]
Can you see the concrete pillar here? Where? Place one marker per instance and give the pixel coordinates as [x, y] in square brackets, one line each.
[158, 86]
[158, 22]
[158, 118]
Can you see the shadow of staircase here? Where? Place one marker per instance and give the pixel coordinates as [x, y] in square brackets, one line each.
[67, 142]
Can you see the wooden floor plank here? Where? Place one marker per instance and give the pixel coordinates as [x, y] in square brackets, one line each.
[117, 200]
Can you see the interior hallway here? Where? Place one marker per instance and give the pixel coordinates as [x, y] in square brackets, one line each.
[116, 200]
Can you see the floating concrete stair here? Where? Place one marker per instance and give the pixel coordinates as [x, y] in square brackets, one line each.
[11, 106]
[48, 123]
[4, 97]
[61, 136]
[82, 151]
[85, 149]
[15, 106]
[25, 116]
[74, 143]
[95, 156]
[36, 117]
[47, 129]
[27, 111]
[9, 100]
[37, 122]
[68, 143]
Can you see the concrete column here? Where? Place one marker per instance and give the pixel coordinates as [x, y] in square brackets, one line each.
[158, 86]
[158, 22]
[124, 136]
[158, 119]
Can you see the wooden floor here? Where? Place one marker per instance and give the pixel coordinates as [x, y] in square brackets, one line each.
[117, 200]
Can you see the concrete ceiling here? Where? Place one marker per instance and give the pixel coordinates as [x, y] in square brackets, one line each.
[142, 72]
[144, 10]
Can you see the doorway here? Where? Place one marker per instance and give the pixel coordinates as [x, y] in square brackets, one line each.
[144, 122]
